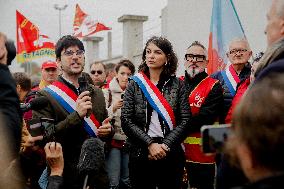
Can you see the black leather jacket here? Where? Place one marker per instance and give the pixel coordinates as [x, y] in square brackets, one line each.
[134, 114]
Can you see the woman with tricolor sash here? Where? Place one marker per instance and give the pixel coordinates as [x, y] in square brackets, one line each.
[155, 115]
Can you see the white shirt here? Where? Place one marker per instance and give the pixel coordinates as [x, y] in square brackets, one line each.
[155, 129]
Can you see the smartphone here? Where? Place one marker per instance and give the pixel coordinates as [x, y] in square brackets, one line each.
[214, 137]
[46, 122]
[35, 128]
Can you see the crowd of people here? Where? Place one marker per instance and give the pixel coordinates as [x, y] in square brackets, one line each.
[148, 122]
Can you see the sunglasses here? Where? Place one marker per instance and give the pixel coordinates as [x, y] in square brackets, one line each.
[100, 72]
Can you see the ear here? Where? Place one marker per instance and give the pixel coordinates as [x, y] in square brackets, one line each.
[18, 88]
[227, 55]
[250, 53]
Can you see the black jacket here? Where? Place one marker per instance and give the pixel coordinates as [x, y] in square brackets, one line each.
[55, 182]
[276, 67]
[211, 109]
[10, 112]
[245, 73]
[135, 112]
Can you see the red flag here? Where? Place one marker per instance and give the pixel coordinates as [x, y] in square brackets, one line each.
[30, 43]
[84, 25]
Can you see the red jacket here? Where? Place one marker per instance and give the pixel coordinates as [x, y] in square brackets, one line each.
[240, 91]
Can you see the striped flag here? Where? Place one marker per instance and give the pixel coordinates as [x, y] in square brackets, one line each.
[225, 26]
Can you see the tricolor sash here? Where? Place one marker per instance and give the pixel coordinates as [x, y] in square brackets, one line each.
[67, 98]
[231, 79]
[156, 99]
[197, 97]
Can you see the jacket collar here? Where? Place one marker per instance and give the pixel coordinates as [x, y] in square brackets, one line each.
[195, 80]
[70, 85]
[114, 86]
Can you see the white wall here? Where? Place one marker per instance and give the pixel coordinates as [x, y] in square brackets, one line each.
[184, 21]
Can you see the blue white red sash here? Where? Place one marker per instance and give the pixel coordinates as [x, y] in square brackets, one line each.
[156, 99]
[231, 79]
[67, 98]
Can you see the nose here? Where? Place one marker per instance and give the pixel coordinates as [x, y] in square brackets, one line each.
[150, 55]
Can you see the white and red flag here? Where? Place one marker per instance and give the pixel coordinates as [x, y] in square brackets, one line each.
[31, 44]
[84, 25]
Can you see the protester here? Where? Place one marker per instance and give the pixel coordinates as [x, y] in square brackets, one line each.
[9, 100]
[23, 84]
[242, 87]
[256, 144]
[272, 61]
[117, 157]
[156, 157]
[98, 74]
[239, 68]
[206, 100]
[69, 109]
[49, 73]
[238, 54]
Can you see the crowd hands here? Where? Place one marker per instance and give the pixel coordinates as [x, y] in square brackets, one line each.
[254, 149]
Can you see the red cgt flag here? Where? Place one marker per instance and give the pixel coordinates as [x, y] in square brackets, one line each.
[84, 25]
[30, 43]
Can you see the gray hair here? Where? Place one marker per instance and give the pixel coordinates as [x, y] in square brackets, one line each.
[238, 40]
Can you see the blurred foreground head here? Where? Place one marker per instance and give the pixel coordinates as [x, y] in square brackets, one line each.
[10, 170]
[258, 122]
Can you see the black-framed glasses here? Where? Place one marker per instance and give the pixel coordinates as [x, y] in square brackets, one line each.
[70, 53]
[194, 57]
[100, 72]
[235, 51]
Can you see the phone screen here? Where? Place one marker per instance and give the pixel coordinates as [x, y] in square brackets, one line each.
[214, 137]
[35, 128]
[45, 122]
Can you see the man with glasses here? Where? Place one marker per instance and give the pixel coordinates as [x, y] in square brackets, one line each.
[205, 96]
[69, 107]
[237, 69]
[98, 74]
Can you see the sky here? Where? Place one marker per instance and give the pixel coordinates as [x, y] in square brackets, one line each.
[43, 14]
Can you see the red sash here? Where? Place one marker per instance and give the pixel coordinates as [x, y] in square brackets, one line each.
[192, 143]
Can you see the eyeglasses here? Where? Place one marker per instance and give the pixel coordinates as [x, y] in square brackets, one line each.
[235, 51]
[100, 72]
[70, 53]
[194, 57]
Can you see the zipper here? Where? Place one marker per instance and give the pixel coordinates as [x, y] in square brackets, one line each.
[146, 111]
[163, 124]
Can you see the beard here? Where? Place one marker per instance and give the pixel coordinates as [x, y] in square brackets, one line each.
[192, 72]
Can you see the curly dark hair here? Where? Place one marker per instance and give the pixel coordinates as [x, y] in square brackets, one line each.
[166, 46]
[66, 42]
[127, 63]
